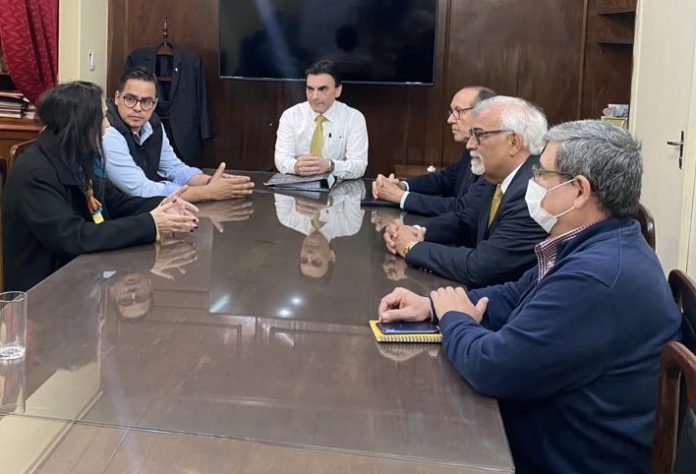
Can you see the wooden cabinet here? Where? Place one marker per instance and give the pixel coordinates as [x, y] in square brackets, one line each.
[13, 131]
[607, 63]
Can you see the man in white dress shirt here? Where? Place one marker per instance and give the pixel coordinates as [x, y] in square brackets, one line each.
[322, 134]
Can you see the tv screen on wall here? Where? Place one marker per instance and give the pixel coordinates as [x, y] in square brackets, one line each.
[375, 41]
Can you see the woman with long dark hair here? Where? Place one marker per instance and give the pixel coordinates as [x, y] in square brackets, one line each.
[57, 203]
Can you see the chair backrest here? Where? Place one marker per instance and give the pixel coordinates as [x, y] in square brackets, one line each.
[684, 292]
[675, 425]
[15, 152]
[647, 225]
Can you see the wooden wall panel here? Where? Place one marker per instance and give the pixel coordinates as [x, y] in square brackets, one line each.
[509, 45]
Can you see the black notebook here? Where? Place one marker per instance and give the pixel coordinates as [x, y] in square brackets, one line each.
[319, 183]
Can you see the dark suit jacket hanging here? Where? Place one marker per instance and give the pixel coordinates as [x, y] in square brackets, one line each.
[183, 104]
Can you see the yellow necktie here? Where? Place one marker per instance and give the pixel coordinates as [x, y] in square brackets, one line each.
[317, 137]
[316, 222]
[495, 204]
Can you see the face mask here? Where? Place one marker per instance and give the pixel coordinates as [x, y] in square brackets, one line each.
[535, 194]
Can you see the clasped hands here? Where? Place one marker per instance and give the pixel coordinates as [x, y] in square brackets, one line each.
[398, 236]
[405, 305]
[387, 188]
[175, 214]
[309, 165]
[173, 256]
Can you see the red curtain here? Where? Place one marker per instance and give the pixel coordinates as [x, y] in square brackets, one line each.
[29, 35]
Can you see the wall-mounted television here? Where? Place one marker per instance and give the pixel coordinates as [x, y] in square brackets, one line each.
[374, 41]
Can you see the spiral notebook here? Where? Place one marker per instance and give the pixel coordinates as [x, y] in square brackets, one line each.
[428, 338]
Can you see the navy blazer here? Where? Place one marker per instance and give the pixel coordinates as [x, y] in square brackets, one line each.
[186, 111]
[437, 193]
[483, 255]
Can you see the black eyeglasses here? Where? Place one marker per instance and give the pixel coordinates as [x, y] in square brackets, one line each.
[538, 172]
[140, 295]
[457, 111]
[146, 103]
[479, 133]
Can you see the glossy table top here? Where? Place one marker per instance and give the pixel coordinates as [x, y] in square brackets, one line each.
[252, 329]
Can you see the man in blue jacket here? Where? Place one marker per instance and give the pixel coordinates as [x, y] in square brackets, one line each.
[572, 349]
[442, 191]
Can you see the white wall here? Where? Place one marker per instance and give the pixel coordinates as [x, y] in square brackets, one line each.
[83, 29]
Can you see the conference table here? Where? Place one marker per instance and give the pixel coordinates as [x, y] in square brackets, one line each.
[241, 347]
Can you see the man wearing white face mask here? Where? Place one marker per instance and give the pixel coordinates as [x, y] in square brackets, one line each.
[572, 349]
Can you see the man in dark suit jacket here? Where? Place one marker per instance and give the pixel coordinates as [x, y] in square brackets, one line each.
[442, 191]
[493, 236]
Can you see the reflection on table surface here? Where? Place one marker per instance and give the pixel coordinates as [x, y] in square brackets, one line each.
[220, 333]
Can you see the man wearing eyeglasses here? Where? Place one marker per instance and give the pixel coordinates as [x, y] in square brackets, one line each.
[491, 238]
[140, 160]
[572, 349]
[442, 191]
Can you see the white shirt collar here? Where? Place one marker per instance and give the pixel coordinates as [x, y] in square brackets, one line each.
[330, 113]
[508, 179]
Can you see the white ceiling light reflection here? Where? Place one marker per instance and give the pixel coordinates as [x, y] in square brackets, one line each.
[297, 300]
[284, 313]
[221, 303]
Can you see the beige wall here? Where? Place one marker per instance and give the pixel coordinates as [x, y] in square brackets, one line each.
[82, 30]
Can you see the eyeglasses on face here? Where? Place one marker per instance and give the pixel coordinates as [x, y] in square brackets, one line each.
[457, 111]
[539, 172]
[478, 133]
[133, 297]
[146, 103]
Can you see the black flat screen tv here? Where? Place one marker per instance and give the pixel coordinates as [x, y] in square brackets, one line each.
[374, 41]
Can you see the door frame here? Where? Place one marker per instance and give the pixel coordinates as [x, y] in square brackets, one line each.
[685, 239]
[688, 197]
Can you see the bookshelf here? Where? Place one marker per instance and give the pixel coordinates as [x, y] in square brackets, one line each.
[608, 55]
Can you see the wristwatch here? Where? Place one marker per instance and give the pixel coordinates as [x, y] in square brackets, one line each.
[409, 246]
[331, 166]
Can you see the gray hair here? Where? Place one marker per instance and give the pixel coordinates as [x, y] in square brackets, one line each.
[607, 156]
[520, 116]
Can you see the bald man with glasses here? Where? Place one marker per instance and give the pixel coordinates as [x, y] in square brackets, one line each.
[140, 160]
[443, 191]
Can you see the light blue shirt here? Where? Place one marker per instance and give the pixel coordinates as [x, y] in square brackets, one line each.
[127, 176]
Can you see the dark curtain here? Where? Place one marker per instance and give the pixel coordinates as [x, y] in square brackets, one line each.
[29, 35]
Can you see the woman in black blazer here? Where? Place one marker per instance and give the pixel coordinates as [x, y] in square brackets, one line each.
[57, 203]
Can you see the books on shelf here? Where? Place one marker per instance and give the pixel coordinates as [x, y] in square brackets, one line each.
[14, 105]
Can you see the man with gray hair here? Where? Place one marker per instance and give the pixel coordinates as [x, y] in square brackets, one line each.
[572, 349]
[491, 238]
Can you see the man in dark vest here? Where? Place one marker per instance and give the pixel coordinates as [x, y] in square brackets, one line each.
[140, 161]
